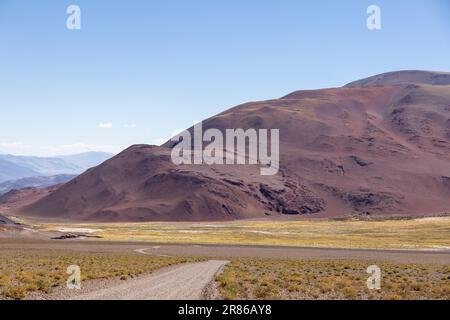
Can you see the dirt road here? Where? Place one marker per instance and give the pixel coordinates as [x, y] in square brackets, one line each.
[182, 282]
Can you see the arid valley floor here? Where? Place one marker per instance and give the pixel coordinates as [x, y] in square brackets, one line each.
[308, 259]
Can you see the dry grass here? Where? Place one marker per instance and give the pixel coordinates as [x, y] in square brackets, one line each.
[23, 271]
[312, 279]
[431, 233]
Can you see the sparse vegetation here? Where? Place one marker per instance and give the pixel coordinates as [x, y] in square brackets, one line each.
[428, 233]
[31, 269]
[317, 279]
[23, 271]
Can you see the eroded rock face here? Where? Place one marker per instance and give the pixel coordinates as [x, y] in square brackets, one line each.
[377, 146]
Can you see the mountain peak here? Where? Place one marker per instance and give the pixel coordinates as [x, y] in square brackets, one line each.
[404, 77]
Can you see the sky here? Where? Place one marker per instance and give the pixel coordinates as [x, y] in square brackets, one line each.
[138, 71]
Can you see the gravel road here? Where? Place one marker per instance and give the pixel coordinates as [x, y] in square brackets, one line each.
[182, 282]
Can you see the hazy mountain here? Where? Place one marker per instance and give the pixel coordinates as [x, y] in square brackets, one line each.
[44, 166]
[34, 182]
[17, 167]
[379, 146]
[87, 160]
[10, 170]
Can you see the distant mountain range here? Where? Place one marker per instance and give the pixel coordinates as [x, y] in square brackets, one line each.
[17, 170]
[87, 160]
[11, 171]
[35, 182]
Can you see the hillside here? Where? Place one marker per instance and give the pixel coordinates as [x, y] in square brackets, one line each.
[379, 146]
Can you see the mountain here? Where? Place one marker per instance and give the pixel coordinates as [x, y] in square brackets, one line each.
[88, 159]
[378, 146]
[34, 182]
[404, 77]
[43, 166]
[17, 167]
[20, 198]
[9, 170]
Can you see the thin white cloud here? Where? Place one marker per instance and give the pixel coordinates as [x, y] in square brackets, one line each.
[107, 125]
[18, 145]
[14, 147]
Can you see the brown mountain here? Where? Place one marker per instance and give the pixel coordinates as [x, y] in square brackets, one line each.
[378, 146]
[18, 198]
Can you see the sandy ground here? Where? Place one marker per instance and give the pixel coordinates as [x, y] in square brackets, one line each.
[400, 256]
[230, 251]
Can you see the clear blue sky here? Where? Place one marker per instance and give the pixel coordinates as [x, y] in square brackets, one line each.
[151, 67]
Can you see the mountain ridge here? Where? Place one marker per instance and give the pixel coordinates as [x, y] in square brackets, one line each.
[14, 167]
[404, 77]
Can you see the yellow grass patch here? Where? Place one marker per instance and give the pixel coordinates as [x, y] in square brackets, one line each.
[26, 270]
[315, 279]
[430, 234]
